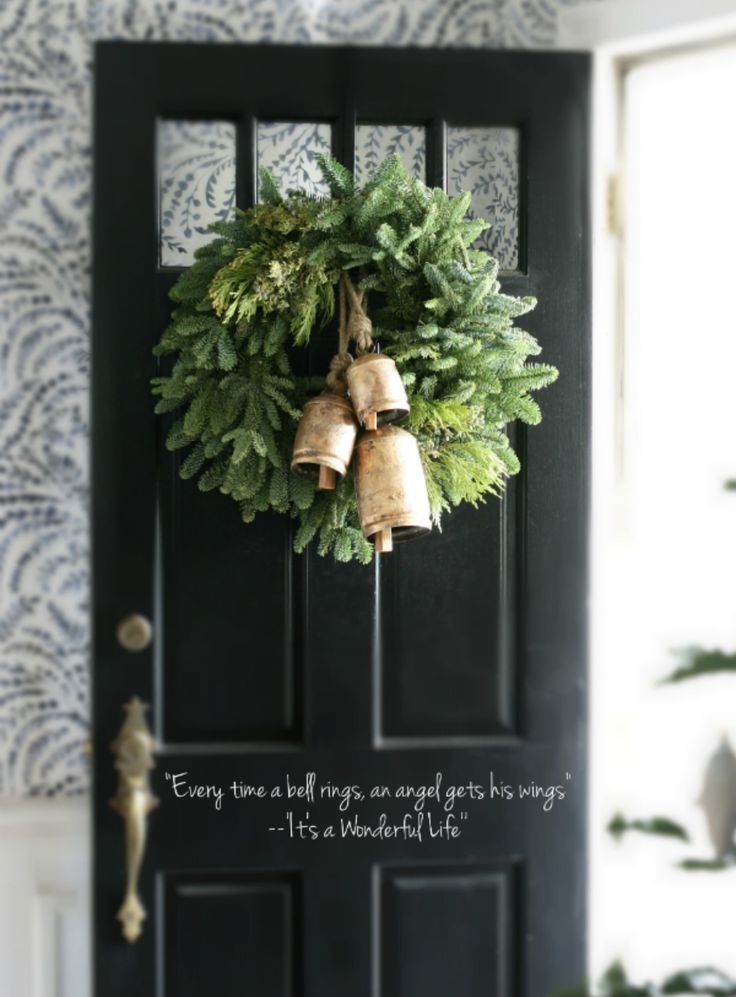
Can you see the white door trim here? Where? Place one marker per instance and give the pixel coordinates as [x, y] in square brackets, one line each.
[44, 900]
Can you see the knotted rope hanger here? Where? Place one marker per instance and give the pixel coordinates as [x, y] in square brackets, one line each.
[354, 326]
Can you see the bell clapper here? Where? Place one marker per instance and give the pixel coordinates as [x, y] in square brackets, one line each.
[371, 421]
[384, 541]
[326, 478]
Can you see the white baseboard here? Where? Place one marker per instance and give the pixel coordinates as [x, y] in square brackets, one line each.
[44, 898]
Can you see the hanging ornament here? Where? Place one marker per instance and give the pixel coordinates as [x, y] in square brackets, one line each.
[718, 798]
[325, 437]
[390, 487]
[374, 382]
[377, 391]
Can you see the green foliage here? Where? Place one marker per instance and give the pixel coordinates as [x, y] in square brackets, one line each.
[704, 980]
[696, 662]
[615, 983]
[709, 865]
[266, 284]
[273, 275]
[662, 826]
[666, 828]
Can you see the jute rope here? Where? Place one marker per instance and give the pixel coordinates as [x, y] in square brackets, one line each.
[359, 325]
[354, 325]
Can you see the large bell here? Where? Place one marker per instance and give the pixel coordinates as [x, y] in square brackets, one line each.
[325, 437]
[377, 391]
[390, 487]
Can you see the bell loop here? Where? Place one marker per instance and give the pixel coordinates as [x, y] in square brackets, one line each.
[360, 329]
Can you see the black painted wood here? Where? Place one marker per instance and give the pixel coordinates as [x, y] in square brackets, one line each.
[462, 653]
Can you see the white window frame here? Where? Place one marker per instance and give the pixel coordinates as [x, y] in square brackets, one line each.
[620, 34]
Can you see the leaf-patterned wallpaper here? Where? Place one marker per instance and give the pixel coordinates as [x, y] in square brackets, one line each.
[46, 81]
[374, 142]
[485, 161]
[196, 163]
[196, 167]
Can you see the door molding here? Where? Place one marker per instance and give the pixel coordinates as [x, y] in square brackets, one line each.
[44, 905]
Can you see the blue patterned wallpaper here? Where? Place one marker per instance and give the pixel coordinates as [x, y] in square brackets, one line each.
[374, 142]
[45, 258]
[196, 165]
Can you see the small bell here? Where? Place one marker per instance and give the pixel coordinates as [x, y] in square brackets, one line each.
[325, 437]
[390, 487]
[377, 391]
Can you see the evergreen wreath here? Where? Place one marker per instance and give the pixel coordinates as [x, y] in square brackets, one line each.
[258, 292]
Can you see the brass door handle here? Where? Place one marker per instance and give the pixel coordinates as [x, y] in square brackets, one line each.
[134, 749]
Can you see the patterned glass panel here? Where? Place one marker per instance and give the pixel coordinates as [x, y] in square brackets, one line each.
[374, 142]
[485, 161]
[289, 150]
[196, 171]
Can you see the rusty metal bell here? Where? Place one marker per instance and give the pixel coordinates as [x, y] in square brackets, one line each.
[325, 437]
[390, 487]
[377, 391]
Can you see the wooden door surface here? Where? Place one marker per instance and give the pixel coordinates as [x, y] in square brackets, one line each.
[461, 654]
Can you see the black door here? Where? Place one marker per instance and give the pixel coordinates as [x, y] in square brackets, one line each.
[461, 654]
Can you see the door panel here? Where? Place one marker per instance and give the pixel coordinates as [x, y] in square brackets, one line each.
[470, 907]
[248, 689]
[447, 634]
[462, 653]
[252, 921]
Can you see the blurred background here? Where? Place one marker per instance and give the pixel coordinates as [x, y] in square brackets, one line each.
[665, 541]
[664, 522]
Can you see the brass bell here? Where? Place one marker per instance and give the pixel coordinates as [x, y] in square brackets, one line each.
[390, 487]
[325, 437]
[377, 391]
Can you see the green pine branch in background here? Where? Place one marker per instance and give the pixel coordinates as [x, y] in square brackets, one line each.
[662, 826]
[667, 828]
[709, 865]
[696, 662]
[615, 983]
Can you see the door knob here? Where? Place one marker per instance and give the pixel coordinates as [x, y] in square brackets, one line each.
[133, 749]
[134, 632]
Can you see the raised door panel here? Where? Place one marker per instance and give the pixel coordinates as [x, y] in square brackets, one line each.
[231, 935]
[448, 930]
[231, 644]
